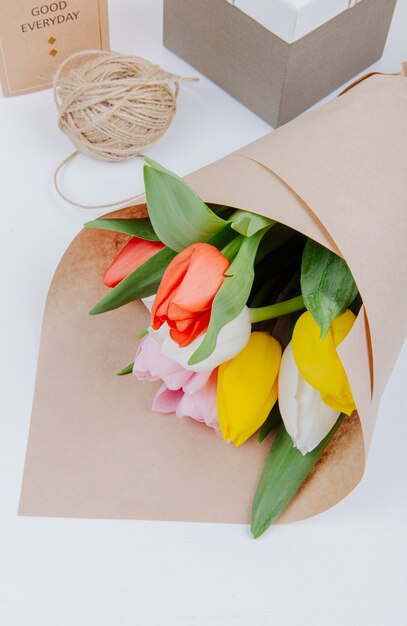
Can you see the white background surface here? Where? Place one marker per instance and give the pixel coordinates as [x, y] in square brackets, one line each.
[346, 566]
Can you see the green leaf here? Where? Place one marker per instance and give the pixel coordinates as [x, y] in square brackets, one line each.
[326, 284]
[232, 248]
[178, 215]
[248, 224]
[273, 420]
[126, 370]
[232, 296]
[142, 333]
[223, 237]
[141, 283]
[138, 227]
[160, 168]
[284, 472]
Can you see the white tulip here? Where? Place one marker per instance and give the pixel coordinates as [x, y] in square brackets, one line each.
[231, 340]
[306, 417]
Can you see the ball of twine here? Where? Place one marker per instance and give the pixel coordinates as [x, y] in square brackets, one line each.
[112, 106]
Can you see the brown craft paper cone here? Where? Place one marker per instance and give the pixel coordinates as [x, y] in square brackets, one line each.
[95, 449]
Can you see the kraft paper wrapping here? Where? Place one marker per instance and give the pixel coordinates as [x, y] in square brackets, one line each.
[96, 449]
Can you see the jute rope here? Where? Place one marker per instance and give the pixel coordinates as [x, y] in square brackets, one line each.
[112, 106]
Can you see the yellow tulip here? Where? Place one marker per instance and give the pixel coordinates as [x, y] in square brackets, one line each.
[318, 360]
[247, 387]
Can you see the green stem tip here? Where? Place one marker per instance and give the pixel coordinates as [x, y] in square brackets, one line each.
[126, 370]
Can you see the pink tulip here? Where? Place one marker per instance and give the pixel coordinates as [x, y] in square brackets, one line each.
[183, 392]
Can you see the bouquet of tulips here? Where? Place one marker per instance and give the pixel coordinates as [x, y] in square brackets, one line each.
[246, 315]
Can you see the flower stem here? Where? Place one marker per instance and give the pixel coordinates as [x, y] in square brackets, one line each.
[277, 310]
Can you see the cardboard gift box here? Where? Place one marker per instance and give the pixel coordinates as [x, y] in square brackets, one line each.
[278, 57]
[96, 449]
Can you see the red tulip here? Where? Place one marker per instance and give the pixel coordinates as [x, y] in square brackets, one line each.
[135, 253]
[188, 287]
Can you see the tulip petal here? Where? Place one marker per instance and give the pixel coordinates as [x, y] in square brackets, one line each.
[306, 417]
[341, 326]
[247, 387]
[183, 392]
[231, 340]
[170, 281]
[191, 332]
[196, 382]
[201, 404]
[318, 360]
[202, 280]
[185, 295]
[151, 364]
[167, 400]
[238, 437]
[141, 283]
[135, 253]
[232, 296]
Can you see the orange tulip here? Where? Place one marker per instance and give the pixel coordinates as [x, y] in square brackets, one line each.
[188, 287]
[135, 253]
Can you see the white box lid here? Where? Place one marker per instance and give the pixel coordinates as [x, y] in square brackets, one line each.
[292, 19]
